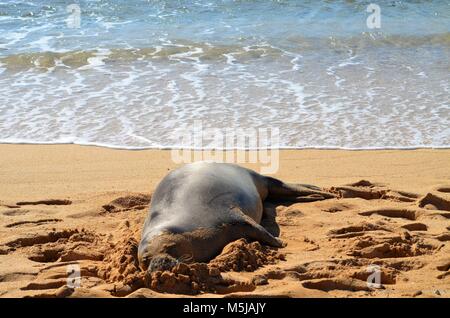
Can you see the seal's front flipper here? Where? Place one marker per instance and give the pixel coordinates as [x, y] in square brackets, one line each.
[268, 219]
[279, 190]
[249, 229]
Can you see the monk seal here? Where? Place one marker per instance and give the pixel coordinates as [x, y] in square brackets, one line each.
[200, 207]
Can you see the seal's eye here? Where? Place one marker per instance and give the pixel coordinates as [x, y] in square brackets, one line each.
[186, 258]
[154, 215]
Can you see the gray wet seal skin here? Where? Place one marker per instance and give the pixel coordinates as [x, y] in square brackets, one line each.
[199, 208]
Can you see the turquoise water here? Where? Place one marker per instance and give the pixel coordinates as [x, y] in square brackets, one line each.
[135, 71]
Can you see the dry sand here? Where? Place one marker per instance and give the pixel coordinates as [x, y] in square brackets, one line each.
[66, 205]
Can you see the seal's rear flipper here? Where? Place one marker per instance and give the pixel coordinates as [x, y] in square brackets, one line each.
[278, 190]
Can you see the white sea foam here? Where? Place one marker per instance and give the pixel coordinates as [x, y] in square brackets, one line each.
[135, 73]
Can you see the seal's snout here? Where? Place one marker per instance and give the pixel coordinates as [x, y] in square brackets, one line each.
[161, 263]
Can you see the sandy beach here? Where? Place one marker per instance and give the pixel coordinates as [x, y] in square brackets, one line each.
[65, 207]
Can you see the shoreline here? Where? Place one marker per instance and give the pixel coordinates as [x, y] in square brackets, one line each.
[131, 148]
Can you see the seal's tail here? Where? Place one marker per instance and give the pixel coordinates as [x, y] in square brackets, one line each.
[295, 192]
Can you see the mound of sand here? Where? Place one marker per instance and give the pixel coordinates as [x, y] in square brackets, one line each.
[243, 256]
[121, 267]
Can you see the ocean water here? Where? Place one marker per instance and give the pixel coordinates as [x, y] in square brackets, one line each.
[133, 72]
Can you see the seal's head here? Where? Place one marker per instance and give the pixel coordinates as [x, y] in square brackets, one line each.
[164, 251]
